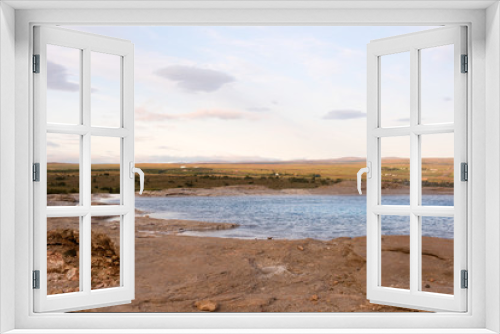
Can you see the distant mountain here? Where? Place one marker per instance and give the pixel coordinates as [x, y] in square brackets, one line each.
[285, 162]
[323, 161]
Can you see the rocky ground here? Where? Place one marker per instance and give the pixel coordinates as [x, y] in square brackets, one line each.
[341, 188]
[63, 256]
[62, 261]
[178, 273]
[63, 239]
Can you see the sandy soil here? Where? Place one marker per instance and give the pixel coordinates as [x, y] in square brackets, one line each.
[177, 273]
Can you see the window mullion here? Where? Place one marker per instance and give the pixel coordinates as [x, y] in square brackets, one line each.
[67, 129]
[85, 191]
[414, 171]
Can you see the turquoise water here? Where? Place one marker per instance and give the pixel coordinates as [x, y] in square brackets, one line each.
[291, 216]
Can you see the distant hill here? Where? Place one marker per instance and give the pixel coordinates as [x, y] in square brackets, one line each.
[343, 160]
[287, 162]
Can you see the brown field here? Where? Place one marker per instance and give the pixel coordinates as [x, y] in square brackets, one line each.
[64, 178]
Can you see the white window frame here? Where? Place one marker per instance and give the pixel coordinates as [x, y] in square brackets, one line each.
[85, 43]
[484, 83]
[414, 296]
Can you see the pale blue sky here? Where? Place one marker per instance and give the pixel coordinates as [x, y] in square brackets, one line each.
[256, 93]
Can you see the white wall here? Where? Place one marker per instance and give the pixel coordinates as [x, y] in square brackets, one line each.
[7, 160]
[492, 165]
[23, 157]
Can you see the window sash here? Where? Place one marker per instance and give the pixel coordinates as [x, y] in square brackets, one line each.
[86, 297]
[414, 298]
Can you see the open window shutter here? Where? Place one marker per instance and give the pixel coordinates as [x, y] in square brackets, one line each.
[417, 293]
[96, 276]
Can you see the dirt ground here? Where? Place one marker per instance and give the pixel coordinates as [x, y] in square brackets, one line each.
[178, 273]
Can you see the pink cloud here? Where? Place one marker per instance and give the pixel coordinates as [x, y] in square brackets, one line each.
[144, 115]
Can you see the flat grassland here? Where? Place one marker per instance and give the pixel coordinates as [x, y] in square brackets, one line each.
[64, 178]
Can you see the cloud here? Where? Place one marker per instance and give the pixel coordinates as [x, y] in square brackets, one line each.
[447, 99]
[142, 114]
[52, 144]
[219, 114]
[227, 115]
[193, 79]
[57, 78]
[258, 109]
[343, 114]
[163, 147]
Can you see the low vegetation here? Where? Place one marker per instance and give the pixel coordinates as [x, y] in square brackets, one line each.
[64, 178]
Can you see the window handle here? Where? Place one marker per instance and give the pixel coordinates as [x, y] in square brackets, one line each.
[139, 171]
[368, 171]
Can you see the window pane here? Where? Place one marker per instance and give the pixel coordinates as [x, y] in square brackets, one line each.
[437, 254]
[106, 165]
[106, 90]
[437, 169]
[63, 85]
[105, 252]
[63, 169]
[395, 90]
[395, 170]
[63, 255]
[437, 84]
[395, 244]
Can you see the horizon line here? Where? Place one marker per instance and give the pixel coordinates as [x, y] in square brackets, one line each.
[261, 162]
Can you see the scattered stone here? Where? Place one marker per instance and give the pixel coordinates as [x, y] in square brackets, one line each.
[63, 260]
[269, 238]
[431, 280]
[314, 298]
[335, 282]
[427, 286]
[206, 305]
[300, 248]
[55, 262]
[73, 274]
